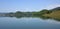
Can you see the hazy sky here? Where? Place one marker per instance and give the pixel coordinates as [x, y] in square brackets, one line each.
[27, 5]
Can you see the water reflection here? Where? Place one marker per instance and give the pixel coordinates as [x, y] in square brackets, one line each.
[28, 22]
[46, 18]
[41, 17]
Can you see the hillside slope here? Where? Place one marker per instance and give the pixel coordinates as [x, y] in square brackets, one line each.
[54, 14]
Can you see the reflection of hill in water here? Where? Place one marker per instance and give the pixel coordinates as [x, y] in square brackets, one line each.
[41, 17]
[46, 18]
[21, 17]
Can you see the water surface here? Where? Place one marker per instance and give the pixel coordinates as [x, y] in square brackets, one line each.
[28, 23]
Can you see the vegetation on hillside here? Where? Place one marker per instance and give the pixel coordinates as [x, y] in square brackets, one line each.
[53, 13]
[42, 12]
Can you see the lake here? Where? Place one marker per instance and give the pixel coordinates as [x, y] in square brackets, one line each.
[28, 23]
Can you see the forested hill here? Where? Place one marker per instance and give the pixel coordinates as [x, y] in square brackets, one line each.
[55, 13]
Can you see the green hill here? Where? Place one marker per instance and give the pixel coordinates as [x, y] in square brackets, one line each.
[55, 13]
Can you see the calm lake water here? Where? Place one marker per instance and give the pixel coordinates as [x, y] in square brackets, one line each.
[28, 23]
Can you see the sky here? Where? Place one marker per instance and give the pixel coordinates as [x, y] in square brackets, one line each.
[27, 5]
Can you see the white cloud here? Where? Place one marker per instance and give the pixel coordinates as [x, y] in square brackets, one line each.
[52, 6]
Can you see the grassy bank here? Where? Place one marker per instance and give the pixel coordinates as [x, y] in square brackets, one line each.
[54, 14]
